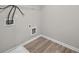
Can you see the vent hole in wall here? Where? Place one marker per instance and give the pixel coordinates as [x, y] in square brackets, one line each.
[33, 31]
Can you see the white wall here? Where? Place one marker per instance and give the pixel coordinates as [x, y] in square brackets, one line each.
[61, 23]
[58, 22]
[12, 35]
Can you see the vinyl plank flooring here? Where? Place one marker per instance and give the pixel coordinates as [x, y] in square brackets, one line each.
[43, 45]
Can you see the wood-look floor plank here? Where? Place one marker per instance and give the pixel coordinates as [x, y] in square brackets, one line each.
[43, 45]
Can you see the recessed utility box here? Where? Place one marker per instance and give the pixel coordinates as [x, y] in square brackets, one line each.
[33, 30]
[9, 22]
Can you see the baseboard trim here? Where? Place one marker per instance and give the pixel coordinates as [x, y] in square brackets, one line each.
[32, 39]
[22, 44]
[61, 43]
[54, 40]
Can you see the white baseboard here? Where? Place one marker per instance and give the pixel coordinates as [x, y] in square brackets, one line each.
[61, 43]
[32, 39]
[21, 45]
[54, 40]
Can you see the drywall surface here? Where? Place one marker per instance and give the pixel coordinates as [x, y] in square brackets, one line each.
[61, 23]
[12, 35]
